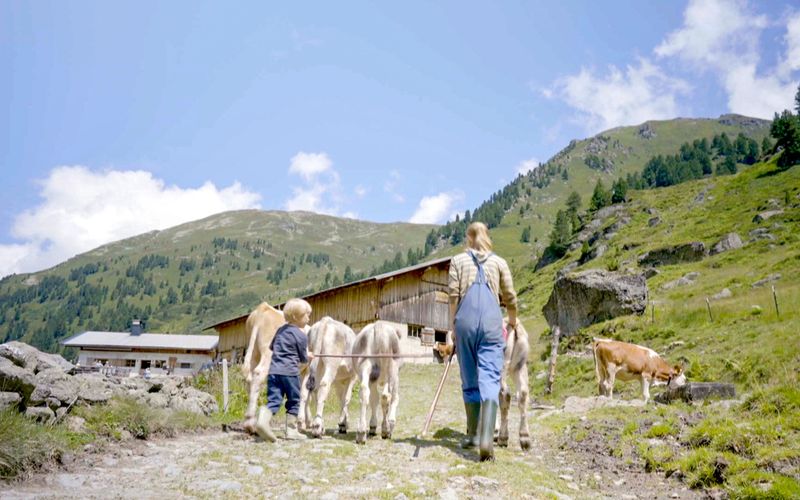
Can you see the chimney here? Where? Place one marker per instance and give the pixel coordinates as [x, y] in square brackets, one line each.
[136, 327]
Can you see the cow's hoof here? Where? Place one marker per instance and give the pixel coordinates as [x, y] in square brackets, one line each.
[525, 443]
[502, 442]
[250, 425]
[361, 437]
[342, 428]
[373, 431]
[386, 435]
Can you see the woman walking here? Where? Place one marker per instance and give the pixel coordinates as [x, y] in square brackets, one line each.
[478, 278]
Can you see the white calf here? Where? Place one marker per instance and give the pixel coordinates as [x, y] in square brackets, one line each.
[327, 336]
[379, 377]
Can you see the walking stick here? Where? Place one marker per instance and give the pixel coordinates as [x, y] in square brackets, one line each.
[435, 400]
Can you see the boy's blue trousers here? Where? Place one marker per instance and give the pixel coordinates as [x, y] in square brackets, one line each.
[279, 386]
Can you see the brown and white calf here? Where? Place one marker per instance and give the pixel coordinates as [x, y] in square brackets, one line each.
[261, 324]
[379, 377]
[515, 367]
[614, 359]
[329, 338]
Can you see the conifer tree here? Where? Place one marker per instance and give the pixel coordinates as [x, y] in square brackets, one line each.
[600, 197]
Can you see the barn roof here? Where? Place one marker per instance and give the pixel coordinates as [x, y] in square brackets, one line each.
[125, 340]
[377, 277]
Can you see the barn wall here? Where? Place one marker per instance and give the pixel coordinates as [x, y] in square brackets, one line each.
[418, 298]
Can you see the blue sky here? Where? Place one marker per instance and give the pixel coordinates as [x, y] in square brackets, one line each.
[123, 117]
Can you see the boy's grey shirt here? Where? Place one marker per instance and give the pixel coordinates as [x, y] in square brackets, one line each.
[289, 347]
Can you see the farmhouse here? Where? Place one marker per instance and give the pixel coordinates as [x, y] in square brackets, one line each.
[414, 297]
[136, 351]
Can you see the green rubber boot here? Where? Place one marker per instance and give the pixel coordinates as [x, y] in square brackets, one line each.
[473, 415]
[291, 429]
[263, 428]
[486, 424]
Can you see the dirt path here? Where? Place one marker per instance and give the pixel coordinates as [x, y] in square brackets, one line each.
[220, 464]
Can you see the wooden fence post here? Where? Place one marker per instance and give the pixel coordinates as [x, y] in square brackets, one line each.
[708, 303]
[553, 355]
[653, 311]
[225, 385]
[775, 298]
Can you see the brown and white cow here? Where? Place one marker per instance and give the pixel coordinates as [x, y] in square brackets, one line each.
[262, 324]
[379, 377]
[327, 337]
[614, 359]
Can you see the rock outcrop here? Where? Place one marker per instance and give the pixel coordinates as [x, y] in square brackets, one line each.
[584, 298]
[730, 241]
[44, 387]
[686, 252]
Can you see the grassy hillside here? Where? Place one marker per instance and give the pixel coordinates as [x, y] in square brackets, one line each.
[750, 449]
[186, 277]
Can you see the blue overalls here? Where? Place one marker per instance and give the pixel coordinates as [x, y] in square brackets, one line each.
[479, 341]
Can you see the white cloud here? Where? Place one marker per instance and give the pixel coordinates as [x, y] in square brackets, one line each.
[82, 209]
[715, 32]
[360, 191]
[436, 209]
[390, 186]
[792, 59]
[723, 36]
[322, 191]
[639, 93]
[526, 166]
[310, 165]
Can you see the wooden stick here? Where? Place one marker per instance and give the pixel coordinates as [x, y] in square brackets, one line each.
[708, 303]
[775, 298]
[429, 417]
[224, 385]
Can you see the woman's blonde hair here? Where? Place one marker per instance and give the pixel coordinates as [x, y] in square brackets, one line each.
[478, 237]
[294, 310]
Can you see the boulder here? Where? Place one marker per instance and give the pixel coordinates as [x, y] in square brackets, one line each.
[195, 401]
[730, 241]
[766, 215]
[16, 379]
[54, 383]
[155, 400]
[686, 252]
[722, 294]
[698, 391]
[686, 279]
[768, 279]
[40, 413]
[94, 388]
[654, 221]
[761, 233]
[9, 400]
[31, 358]
[594, 253]
[584, 298]
[649, 272]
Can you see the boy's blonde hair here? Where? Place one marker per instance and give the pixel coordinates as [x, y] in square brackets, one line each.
[294, 310]
[478, 237]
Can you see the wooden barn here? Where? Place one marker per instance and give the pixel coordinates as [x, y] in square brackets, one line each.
[414, 297]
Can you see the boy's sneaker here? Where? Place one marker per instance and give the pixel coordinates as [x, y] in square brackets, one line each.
[263, 428]
[291, 429]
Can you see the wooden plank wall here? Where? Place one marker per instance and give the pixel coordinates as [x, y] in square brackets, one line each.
[416, 297]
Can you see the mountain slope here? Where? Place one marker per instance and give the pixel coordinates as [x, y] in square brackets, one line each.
[183, 278]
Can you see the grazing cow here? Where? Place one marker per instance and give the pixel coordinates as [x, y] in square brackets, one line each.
[515, 367]
[379, 377]
[262, 324]
[327, 336]
[614, 359]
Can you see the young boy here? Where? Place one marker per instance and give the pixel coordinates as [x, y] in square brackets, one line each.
[289, 349]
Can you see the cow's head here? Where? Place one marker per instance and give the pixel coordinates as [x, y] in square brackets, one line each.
[677, 378]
